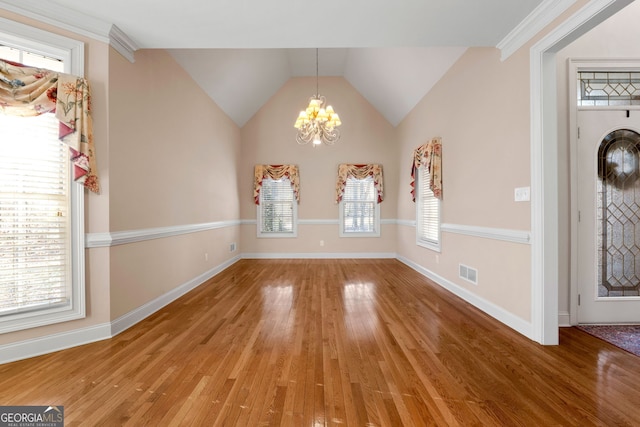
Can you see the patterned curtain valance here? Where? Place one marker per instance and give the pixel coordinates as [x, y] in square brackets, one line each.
[429, 155]
[275, 172]
[359, 172]
[28, 91]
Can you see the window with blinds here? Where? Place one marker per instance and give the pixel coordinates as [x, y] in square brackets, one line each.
[427, 212]
[41, 209]
[277, 212]
[359, 210]
[34, 215]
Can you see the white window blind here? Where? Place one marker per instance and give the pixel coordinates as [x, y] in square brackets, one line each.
[277, 209]
[359, 207]
[428, 212]
[31, 59]
[35, 266]
[41, 209]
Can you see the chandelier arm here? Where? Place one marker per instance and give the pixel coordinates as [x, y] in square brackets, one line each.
[330, 137]
[302, 141]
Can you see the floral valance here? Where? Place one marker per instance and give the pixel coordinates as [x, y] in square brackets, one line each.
[275, 172]
[28, 91]
[359, 172]
[429, 155]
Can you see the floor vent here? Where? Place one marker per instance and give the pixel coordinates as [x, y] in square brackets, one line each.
[469, 274]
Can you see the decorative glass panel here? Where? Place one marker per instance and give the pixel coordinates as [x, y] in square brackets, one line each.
[600, 88]
[618, 214]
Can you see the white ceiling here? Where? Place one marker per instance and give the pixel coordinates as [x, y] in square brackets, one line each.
[393, 80]
[242, 51]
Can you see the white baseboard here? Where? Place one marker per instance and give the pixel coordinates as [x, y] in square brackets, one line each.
[52, 343]
[319, 255]
[564, 319]
[126, 321]
[500, 314]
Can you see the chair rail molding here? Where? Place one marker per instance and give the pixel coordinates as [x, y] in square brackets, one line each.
[515, 236]
[99, 240]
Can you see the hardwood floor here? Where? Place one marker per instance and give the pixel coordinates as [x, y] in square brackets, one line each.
[329, 342]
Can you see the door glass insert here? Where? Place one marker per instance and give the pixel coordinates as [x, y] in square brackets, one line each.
[598, 88]
[618, 215]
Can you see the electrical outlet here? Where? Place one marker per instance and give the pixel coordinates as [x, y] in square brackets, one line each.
[232, 247]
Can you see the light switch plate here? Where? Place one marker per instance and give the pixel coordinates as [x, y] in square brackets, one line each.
[523, 194]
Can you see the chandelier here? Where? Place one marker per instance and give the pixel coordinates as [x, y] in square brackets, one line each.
[317, 124]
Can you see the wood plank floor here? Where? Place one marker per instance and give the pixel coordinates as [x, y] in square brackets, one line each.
[329, 342]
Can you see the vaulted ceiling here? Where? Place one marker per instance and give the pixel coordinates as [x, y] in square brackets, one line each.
[242, 51]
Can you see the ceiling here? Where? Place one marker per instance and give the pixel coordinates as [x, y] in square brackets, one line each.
[242, 51]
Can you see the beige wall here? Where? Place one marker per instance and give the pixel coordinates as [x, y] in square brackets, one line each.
[480, 108]
[167, 156]
[173, 150]
[174, 157]
[269, 138]
[616, 38]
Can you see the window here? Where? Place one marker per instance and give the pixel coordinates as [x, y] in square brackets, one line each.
[427, 212]
[607, 88]
[278, 209]
[359, 210]
[41, 208]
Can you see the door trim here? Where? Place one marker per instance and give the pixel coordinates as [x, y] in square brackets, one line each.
[544, 163]
[575, 65]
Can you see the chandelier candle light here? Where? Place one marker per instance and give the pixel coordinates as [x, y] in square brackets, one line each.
[317, 124]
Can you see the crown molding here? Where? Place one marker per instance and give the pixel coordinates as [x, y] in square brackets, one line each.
[64, 18]
[74, 21]
[539, 18]
[122, 43]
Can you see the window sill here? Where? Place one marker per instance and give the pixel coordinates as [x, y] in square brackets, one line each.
[359, 234]
[429, 245]
[277, 235]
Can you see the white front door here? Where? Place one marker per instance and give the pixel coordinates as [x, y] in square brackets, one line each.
[608, 163]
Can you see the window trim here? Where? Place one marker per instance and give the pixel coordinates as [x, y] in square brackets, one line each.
[71, 52]
[279, 235]
[376, 232]
[428, 244]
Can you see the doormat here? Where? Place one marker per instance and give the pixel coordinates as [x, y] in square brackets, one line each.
[627, 337]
